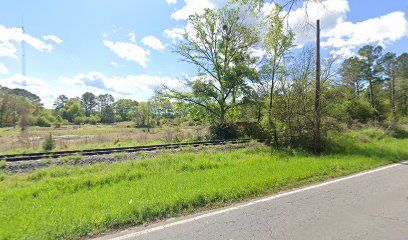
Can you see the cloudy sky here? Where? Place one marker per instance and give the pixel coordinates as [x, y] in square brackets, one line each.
[123, 47]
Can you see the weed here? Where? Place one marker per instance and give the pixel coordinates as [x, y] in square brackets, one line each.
[70, 159]
[120, 155]
[71, 202]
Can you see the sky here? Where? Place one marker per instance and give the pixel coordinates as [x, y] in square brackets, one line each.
[124, 47]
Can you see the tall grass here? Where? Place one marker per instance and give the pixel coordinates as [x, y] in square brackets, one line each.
[72, 202]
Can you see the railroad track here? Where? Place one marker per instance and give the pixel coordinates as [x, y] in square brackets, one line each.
[37, 156]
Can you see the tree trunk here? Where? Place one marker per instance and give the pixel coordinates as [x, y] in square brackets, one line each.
[222, 114]
[371, 94]
[259, 114]
[270, 121]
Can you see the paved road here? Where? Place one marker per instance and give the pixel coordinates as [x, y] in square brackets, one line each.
[372, 205]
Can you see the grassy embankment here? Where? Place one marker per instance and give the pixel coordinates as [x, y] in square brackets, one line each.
[72, 202]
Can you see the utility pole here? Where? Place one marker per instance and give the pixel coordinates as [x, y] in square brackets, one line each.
[317, 134]
[393, 93]
[23, 54]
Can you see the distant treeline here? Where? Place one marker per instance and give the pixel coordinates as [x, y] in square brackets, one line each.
[21, 108]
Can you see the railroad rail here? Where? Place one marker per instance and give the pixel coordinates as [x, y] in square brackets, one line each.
[90, 152]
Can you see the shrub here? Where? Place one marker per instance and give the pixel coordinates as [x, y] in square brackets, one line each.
[80, 120]
[94, 119]
[42, 122]
[360, 110]
[58, 121]
[253, 130]
[224, 131]
[49, 143]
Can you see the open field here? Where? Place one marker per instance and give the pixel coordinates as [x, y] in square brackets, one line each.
[72, 202]
[72, 137]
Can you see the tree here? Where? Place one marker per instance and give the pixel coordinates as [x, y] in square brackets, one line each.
[106, 110]
[144, 114]
[388, 64]
[24, 111]
[401, 72]
[72, 110]
[371, 68]
[60, 102]
[88, 103]
[277, 43]
[124, 107]
[350, 72]
[220, 46]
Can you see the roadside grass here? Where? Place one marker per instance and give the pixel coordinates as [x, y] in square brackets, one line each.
[72, 202]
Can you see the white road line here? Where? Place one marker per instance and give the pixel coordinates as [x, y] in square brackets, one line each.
[266, 199]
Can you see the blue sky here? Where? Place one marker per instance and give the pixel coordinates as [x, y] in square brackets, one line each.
[123, 47]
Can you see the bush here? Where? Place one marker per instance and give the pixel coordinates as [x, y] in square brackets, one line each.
[94, 119]
[42, 122]
[49, 143]
[360, 110]
[224, 131]
[80, 120]
[253, 130]
[58, 122]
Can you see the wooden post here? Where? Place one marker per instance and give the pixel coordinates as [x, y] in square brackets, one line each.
[317, 134]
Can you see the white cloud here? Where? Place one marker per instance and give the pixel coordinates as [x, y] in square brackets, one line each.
[175, 33]
[153, 43]
[114, 64]
[302, 20]
[9, 37]
[340, 36]
[192, 7]
[129, 51]
[132, 37]
[53, 38]
[137, 87]
[380, 30]
[3, 69]
[171, 1]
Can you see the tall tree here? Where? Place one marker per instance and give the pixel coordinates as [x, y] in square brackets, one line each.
[60, 102]
[371, 68]
[277, 43]
[124, 108]
[88, 103]
[106, 110]
[350, 72]
[72, 110]
[401, 71]
[388, 63]
[219, 44]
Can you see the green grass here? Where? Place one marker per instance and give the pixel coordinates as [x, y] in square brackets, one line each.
[72, 202]
[13, 141]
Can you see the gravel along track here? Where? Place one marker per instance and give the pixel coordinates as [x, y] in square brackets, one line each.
[108, 158]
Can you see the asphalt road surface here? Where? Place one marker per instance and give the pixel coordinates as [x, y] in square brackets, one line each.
[370, 205]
